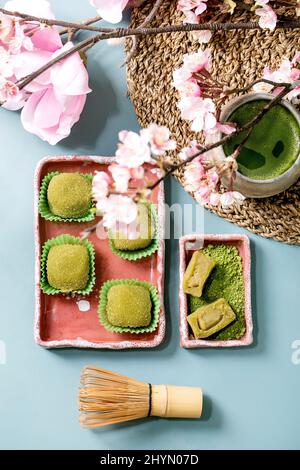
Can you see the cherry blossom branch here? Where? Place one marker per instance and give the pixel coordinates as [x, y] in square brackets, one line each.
[87, 22]
[125, 32]
[287, 87]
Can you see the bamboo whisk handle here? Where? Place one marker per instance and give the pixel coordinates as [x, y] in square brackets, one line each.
[170, 401]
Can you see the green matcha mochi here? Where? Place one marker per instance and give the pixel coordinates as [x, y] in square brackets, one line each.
[129, 306]
[68, 267]
[144, 232]
[69, 195]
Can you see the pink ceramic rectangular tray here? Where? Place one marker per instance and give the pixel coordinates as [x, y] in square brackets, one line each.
[187, 245]
[58, 320]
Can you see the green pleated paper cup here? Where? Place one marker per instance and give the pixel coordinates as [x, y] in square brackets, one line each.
[67, 240]
[134, 282]
[144, 252]
[44, 208]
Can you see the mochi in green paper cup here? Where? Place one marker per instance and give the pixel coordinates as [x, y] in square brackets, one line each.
[146, 240]
[67, 266]
[67, 197]
[129, 306]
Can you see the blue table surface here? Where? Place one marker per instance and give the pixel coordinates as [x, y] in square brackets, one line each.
[251, 394]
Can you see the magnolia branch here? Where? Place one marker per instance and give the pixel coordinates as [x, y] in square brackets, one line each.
[287, 87]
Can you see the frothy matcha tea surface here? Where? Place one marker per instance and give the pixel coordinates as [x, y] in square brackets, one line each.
[274, 144]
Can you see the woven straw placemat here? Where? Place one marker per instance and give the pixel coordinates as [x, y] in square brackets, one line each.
[238, 58]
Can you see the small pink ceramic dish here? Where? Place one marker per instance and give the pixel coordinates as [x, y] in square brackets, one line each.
[72, 321]
[187, 245]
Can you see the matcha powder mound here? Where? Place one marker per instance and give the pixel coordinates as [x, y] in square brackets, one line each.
[226, 280]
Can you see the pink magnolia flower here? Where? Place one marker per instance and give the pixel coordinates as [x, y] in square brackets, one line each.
[159, 139]
[133, 150]
[51, 116]
[110, 10]
[100, 186]
[58, 99]
[200, 111]
[268, 17]
[199, 6]
[121, 176]
[39, 8]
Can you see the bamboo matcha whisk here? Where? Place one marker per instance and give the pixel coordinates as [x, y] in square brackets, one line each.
[107, 398]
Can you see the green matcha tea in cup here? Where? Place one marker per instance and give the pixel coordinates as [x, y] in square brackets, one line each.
[269, 161]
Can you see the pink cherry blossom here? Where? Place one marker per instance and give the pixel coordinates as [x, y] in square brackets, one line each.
[159, 139]
[223, 128]
[203, 37]
[8, 90]
[117, 211]
[193, 175]
[214, 199]
[230, 198]
[185, 84]
[197, 61]
[101, 182]
[187, 152]
[199, 111]
[268, 17]
[137, 173]
[199, 6]
[110, 10]
[121, 176]
[133, 150]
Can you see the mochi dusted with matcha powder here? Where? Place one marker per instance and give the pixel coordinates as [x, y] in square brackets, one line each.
[68, 267]
[129, 306]
[69, 195]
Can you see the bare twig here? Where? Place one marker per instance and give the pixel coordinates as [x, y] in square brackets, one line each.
[72, 32]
